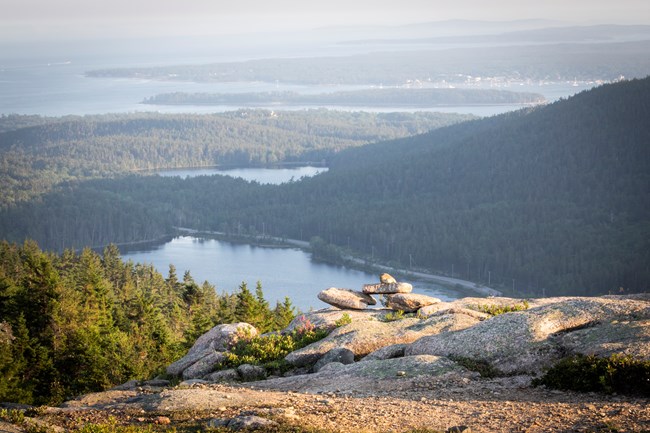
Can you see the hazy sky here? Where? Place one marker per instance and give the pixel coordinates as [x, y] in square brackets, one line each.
[33, 19]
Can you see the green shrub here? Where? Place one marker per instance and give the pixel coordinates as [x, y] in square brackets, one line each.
[113, 428]
[393, 316]
[12, 416]
[269, 350]
[618, 373]
[344, 320]
[495, 310]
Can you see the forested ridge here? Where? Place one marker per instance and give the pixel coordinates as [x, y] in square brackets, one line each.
[38, 153]
[548, 200]
[74, 323]
[553, 61]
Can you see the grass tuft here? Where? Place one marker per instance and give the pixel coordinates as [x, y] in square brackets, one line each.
[495, 310]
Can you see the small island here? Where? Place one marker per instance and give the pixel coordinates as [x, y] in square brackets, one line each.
[376, 97]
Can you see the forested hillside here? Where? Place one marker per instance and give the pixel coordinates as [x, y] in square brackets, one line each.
[556, 197]
[76, 323]
[549, 200]
[552, 200]
[37, 153]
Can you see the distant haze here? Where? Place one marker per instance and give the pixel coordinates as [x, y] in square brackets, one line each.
[33, 20]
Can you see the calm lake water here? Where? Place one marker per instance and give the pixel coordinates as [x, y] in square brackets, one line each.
[274, 176]
[282, 271]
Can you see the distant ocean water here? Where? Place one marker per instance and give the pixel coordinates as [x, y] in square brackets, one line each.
[58, 87]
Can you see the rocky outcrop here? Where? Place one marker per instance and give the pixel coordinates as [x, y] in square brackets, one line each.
[532, 340]
[229, 375]
[631, 337]
[363, 337]
[395, 295]
[369, 377]
[249, 373]
[327, 318]
[387, 288]
[346, 298]
[208, 349]
[203, 366]
[413, 367]
[522, 342]
[221, 337]
[409, 302]
[387, 352]
[339, 355]
[443, 308]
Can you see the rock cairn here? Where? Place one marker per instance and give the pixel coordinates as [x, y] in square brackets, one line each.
[394, 295]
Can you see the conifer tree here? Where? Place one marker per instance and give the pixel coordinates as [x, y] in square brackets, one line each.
[245, 310]
[283, 313]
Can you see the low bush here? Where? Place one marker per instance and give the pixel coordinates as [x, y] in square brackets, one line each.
[618, 373]
[393, 316]
[12, 416]
[495, 310]
[344, 320]
[269, 350]
[113, 428]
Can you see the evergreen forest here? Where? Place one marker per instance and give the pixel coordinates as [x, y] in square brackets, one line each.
[74, 323]
[38, 153]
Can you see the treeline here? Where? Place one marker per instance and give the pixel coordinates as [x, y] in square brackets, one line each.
[38, 153]
[559, 62]
[384, 97]
[80, 322]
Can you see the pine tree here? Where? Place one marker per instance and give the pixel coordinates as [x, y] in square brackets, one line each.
[172, 279]
[263, 316]
[245, 310]
[283, 314]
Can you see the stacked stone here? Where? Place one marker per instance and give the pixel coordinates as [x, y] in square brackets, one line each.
[397, 296]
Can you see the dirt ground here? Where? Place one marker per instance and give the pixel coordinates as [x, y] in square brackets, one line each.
[483, 406]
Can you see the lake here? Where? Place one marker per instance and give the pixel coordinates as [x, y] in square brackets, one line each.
[282, 271]
[263, 175]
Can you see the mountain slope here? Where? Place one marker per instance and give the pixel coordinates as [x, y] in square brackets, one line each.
[553, 196]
